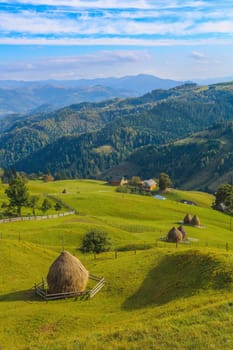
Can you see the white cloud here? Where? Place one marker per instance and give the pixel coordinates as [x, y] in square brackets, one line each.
[124, 22]
[140, 4]
[199, 56]
[115, 42]
[216, 27]
[33, 23]
[101, 63]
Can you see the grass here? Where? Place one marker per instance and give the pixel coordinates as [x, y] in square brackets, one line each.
[159, 298]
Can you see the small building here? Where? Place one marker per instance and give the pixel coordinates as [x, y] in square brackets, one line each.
[149, 185]
[118, 181]
[221, 207]
[186, 201]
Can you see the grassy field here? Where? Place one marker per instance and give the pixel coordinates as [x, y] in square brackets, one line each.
[159, 298]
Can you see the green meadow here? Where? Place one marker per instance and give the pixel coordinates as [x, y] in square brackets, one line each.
[157, 295]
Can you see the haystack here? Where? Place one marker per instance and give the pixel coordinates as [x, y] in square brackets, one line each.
[187, 219]
[174, 235]
[182, 230]
[67, 274]
[195, 221]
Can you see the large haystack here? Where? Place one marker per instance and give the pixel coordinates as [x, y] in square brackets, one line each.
[187, 219]
[67, 274]
[174, 235]
[195, 221]
[182, 230]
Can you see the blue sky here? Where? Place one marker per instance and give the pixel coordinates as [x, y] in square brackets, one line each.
[72, 39]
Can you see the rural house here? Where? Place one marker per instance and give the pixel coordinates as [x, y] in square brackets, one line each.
[149, 185]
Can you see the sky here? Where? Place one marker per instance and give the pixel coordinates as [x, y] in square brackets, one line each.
[74, 39]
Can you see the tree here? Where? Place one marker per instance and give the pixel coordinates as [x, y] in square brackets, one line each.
[58, 206]
[17, 193]
[224, 195]
[164, 181]
[8, 175]
[95, 241]
[46, 205]
[135, 181]
[32, 203]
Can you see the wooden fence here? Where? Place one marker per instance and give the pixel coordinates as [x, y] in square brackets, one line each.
[37, 217]
[41, 289]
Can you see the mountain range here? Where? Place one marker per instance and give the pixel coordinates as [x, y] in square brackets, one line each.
[185, 131]
[27, 97]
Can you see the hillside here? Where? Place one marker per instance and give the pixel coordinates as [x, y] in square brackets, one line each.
[202, 161]
[159, 298]
[154, 119]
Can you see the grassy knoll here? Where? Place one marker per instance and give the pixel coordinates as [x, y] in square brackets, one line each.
[161, 298]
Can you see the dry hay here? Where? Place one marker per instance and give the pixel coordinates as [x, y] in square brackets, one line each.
[67, 274]
[182, 230]
[187, 219]
[195, 221]
[174, 235]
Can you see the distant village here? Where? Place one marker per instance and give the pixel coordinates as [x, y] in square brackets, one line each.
[147, 185]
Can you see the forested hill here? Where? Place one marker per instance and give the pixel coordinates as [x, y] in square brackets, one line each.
[92, 154]
[64, 142]
[202, 161]
[28, 135]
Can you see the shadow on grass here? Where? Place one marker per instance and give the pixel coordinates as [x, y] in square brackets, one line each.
[178, 276]
[22, 295]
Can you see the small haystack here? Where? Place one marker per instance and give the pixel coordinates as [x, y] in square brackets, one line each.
[67, 274]
[195, 221]
[174, 235]
[182, 230]
[187, 219]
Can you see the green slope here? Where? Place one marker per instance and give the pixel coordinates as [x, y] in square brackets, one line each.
[160, 298]
[202, 161]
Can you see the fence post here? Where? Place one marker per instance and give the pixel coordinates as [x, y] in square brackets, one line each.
[115, 254]
[19, 238]
[63, 242]
[227, 247]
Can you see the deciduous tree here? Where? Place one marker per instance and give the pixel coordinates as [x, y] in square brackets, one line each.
[164, 181]
[18, 194]
[95, 241]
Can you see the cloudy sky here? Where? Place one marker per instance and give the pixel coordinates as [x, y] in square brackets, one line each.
[72, 39]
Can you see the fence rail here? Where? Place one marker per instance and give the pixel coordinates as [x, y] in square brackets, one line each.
[97, 288]
[41, 289]
[37, 217]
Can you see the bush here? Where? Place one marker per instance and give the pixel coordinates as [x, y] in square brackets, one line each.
[137, 246]
[95, 241]
[58, 206]
[46, 205]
